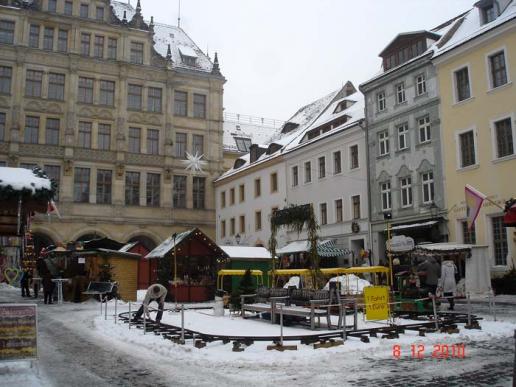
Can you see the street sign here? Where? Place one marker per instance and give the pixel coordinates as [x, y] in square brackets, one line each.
[18, 332]
[400, 243]
[376, 302]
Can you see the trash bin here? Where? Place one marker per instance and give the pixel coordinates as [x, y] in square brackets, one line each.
[218, 309]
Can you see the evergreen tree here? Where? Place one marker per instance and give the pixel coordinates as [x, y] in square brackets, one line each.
[246, 286]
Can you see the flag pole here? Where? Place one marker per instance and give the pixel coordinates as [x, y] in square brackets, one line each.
[494, 203]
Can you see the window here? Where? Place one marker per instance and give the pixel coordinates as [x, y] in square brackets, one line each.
[380, 101]
[383, 143]
[153, 189]
[504, 138]
[84, 11]
[323, 213]
[81, 185]
[420, 84]
[34, 36]
[181, 145]
[137, 52]
[462, 84]
[232, 226]
[403, 136]
[154, 99]
[199, 106]
[223, 199]
[62, 41]
[353, 151]
[337, 163]
[180, 102]
[179, 192]
[424, 129]
[198, 144]
[52, 131]
[98, 47]
[104, 184]
[54, 173]
[52, 5]
[469, 236]
[231, 196]
[6, 31]
[488, 13]
[5, 79]
[339, 216]
[241, 190]
[85, 134]
[107, 93]
[104, 137]
[112, 48]
[467, 149]
[243, 144]
[322, 167]
[308, 172]
[498, 69]
[152, 141]
[257, 221]
[85, 44]
[99, 13]
[499, 241]
[355, 200]
[56, 86]
[33, 83]
[68, 8]
[385, 191]
[31, 134]
[132, 188]
[223, 229]
[242, 224]
[295, 176]
[428, 187]
[85, 90]
[257, 188]
[2, 127]
[198, 192]
[274, 182]
[400, 93]
[406, 191]
[48, 39]
[134, 97]
[134, 140]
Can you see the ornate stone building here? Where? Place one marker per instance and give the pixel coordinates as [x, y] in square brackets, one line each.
[109, 105]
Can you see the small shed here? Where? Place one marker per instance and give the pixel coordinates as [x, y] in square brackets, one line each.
[247, 257]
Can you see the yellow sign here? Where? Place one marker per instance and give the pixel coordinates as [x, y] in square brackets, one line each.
[376, 302]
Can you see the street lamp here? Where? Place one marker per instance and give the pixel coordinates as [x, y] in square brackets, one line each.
[175, 268]
[388, 216]
[237, 238]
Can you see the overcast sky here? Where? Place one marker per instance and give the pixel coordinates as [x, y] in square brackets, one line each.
[278, 55]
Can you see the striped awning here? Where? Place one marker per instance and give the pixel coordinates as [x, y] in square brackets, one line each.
[325, 248]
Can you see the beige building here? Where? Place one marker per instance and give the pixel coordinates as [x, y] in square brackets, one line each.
[109, 105]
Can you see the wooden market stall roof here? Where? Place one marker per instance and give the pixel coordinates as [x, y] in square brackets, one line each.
[247, 252]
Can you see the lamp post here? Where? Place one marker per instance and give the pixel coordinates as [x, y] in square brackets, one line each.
[388, 216]
[175, 269]
[237, 238]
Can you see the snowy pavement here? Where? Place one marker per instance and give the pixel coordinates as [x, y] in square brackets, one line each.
[79, 348]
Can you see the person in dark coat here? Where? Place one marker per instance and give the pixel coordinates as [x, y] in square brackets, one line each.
[24, 283]
[48, 288]
[432, 271]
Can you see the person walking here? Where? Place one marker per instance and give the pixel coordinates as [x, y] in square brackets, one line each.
[432, 270]
[155, 292]
[447, 282]
[48, 288]
[24, 283]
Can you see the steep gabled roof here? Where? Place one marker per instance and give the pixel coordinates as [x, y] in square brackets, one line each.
[404, 35]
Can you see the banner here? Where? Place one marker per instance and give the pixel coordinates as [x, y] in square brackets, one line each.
[474, 200]
[18, 332]
[376, 302]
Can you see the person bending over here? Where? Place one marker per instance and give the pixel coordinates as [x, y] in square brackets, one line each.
[156, 293]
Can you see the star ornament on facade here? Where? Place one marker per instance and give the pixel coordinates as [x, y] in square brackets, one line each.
[194, 163]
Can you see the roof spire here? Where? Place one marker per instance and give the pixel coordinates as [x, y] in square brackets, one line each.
[151, 24]
[124, 19]
[138, 7]
[179, 15]
[216, 69]
[169, 53]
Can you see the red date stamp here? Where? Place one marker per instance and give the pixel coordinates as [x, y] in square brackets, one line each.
[437, 351]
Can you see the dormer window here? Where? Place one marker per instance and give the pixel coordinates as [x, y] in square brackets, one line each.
[243, 144]
[188, 55]
[488, 10]
[489, 14]
[343, 105]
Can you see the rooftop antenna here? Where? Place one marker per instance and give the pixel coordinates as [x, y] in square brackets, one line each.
[179, 15]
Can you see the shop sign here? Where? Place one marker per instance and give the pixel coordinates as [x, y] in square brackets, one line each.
[400, 243]
[376, 302]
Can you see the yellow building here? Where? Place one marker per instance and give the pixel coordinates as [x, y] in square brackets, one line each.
[476, 65]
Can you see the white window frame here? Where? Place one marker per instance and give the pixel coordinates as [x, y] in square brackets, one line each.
[320, 213]
[418, 83]
[454, 83]
[350, 157]
[399, 92]
[335, 210]
[428, 129]
[458, 150]
[305, 181]
[380, 101]
[492, 122]
[335, 172]
[490, 236]
[319, 175]
[428, 184]
[409, 189]
[292, 176]
[383, 140]
[352, 208]
[489, 76]
[388, 192]
[404, 134]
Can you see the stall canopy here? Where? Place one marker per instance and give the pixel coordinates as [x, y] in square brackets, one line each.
[325, 248]
[247, 252]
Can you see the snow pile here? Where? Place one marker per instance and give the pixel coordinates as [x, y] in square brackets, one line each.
[21, 178]
[349, 284]
[293, 281]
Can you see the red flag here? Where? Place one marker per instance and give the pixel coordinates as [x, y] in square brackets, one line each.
[53, 208]
[474, 200]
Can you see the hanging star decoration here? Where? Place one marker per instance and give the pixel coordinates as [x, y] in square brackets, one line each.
[194, 162]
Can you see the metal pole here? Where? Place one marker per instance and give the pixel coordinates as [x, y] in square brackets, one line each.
[514, 367]
[183, 323]
[494, 306]
[435, 311]
[389, 255]
[130, 316]
[281, 325]
[490, 303]
[116, 302]
[343, 319]
[175, 271]
[144, 322]
[355, 317]
[100, 296]
[469, 309]
[105, 307]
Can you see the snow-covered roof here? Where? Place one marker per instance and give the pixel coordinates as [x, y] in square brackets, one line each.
[168, 244]
[413, 225]
[444, 246]
[125, 248]
[23, 179]
[246, 252]
[164, 35]
[325, 248]
[258, 134]
[470, 26]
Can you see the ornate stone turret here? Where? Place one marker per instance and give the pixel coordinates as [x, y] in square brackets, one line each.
[216, 69]
[124, 19]
[169, 53]
[151, 24]
[137, 20]
[138, 7]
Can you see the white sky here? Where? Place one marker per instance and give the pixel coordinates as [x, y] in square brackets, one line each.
[278, 55]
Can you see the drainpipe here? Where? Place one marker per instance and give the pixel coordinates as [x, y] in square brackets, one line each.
[364, 125]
